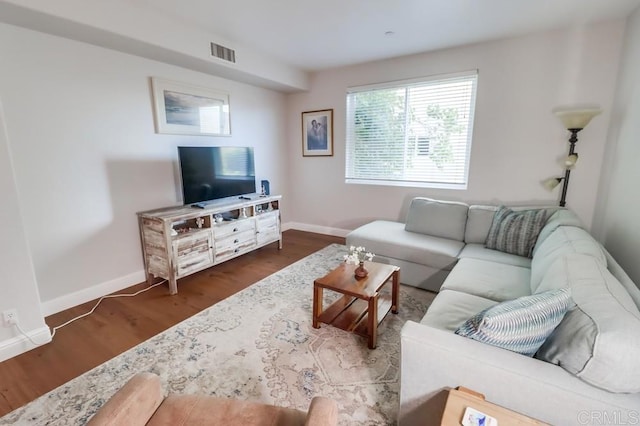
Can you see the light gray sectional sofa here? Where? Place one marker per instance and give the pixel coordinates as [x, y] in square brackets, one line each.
[586, 372]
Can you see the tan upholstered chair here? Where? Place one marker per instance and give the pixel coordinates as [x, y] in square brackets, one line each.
[141, 402]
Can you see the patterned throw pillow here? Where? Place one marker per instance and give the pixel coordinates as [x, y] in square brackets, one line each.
[515, 232]
[521, 325]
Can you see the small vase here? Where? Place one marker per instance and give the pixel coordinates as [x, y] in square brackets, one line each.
[360, 271]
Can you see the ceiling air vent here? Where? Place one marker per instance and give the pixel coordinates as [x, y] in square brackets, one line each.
[223, 53]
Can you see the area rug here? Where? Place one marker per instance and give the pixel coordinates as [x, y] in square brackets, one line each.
[256, 345]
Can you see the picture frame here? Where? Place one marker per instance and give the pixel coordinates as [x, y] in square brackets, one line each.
[317, 133]
[185, 109]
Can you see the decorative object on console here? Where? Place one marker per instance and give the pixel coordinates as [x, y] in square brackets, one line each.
[574, 120]
[515, 232]
[183, 109]
[521, 325]
[265, 190]
[357, 256]
[317, 133]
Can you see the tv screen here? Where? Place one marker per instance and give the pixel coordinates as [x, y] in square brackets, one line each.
[213, 172]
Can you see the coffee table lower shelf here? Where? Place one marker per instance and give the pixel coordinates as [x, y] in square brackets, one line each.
[352, 314]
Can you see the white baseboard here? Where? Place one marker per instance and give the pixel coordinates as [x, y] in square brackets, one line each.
[79, 297]
[336, 232]
[21, 344]
[61, 303]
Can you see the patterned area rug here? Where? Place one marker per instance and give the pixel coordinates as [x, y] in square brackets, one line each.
[256, 345]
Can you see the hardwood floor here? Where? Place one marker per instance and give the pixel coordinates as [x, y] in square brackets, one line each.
[121, 323]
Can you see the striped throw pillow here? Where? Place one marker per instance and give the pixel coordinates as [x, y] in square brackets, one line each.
[515, 232]
[521, 325]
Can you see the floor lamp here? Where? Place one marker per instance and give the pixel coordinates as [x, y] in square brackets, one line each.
[574, 120]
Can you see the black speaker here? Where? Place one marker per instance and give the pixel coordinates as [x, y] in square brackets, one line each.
[265, 187]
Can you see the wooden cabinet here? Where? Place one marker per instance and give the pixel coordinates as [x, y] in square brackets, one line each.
[178, 241]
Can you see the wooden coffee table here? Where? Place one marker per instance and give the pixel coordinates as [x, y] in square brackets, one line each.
[362, 305]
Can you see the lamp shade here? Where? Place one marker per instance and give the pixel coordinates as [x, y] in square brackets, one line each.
[551, 183]
[571, 160]
[577, 118]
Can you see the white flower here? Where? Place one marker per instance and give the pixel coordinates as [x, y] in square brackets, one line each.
[357, 255]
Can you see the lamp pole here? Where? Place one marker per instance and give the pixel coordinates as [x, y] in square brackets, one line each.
[572, 145]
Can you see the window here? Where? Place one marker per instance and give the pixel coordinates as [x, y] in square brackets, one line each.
[411, 133]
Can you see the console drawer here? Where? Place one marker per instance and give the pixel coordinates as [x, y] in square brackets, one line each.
[234, 245]
[225, 229]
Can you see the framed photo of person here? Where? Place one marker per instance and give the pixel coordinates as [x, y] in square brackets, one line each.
[317, 133]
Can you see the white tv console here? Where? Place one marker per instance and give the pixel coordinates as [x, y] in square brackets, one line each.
[179, 241]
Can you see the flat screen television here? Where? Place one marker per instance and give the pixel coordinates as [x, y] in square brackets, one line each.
[214, 172]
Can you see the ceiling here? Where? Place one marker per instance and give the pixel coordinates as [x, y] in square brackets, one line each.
[331, 33]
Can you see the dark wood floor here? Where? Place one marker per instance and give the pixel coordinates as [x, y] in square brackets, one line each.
[119, 324]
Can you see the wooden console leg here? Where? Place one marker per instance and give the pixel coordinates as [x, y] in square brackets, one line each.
[148, 277]
[317, 304]
[173, 285]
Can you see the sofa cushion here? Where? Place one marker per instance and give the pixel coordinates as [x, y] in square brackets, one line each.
[491, 280]
[599, 340]
[560, 217]
[562, 241]
[389, 239]
[451, 308]
[515, 232]
[616, 270]
[479, 220]
[479, 251]
[445, 219]
[520, 325]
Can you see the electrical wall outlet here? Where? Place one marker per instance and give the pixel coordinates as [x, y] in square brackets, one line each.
[10, 317]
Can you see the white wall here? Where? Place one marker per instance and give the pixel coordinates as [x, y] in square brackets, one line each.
[17, 279]
[80, 126]
[617, 214]
[517, 142]
[145, 31]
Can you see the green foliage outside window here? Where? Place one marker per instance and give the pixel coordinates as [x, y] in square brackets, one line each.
[383, 136]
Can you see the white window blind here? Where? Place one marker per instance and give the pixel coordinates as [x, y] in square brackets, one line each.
[411, 133]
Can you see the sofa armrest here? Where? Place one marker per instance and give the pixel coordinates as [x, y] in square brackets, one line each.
[133, 404]
[434, 360]
[322, 412]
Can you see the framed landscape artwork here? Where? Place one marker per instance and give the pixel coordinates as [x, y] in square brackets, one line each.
[317, 133]
[183, 109]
